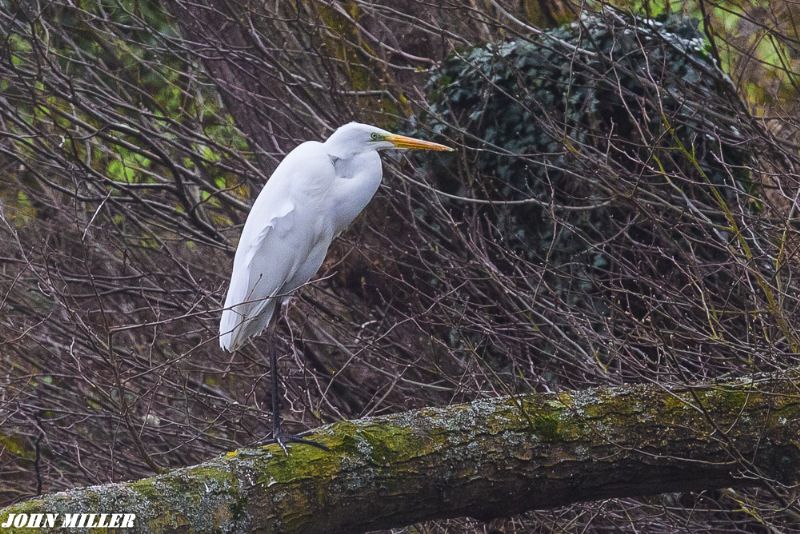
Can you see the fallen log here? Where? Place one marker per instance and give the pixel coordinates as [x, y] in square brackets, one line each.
[485, 459]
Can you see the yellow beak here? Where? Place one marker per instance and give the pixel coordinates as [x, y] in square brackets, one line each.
[401, 141]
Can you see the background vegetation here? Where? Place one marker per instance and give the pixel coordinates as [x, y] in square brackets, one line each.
[622, 208]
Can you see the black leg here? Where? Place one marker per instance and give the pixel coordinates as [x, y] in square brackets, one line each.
[276, 398]
[277, 436]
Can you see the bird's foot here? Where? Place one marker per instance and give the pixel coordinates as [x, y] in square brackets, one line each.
[284, 439]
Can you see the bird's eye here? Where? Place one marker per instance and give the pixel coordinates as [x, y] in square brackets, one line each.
[374, 136]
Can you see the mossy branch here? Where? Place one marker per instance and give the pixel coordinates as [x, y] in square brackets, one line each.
[485, 459]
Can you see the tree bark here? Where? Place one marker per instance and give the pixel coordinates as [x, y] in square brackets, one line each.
[485, 459]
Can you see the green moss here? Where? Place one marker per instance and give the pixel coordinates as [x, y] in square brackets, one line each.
[16, 446]
[214, 496]
[610, 404]
[545, 419]
[193, 489]
[379, 445]
[673, 403]
[27, 507]
[303, 462]
[146, 488]
[565, 399]
[731, 400]
[169, 521]
[390, 444]
[213, 474]
[358, 63]
[546, 427]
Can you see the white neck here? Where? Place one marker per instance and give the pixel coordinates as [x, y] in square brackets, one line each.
[359, 180]
[340, 147]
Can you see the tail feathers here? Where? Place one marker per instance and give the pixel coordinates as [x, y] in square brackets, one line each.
[237, 325]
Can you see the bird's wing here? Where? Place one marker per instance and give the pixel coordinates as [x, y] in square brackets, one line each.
[282, 230]
[265, 258]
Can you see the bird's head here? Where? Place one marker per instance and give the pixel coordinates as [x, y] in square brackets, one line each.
[354, 138]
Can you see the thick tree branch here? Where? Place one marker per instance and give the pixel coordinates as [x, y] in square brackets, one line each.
[485, 459]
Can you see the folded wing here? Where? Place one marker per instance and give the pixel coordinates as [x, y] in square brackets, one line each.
[265, 259]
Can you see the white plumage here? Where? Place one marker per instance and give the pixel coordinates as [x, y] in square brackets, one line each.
[313, 195]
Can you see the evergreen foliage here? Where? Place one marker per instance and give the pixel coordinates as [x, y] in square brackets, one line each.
[546, 118]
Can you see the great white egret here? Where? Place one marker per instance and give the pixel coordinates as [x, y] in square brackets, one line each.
[313, 195]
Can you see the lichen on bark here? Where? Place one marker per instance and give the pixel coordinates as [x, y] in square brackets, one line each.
[468, 459]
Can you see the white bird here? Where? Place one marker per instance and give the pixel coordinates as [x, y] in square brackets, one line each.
[313, 195]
